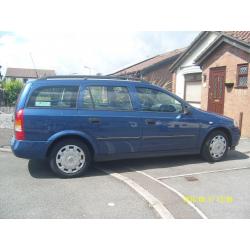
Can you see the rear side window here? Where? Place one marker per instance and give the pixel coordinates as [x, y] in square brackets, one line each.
[107, 98]
[54, 97]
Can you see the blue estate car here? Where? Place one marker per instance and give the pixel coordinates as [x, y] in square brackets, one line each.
[73, 120]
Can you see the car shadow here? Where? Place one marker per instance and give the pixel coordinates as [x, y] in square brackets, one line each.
[40, 169]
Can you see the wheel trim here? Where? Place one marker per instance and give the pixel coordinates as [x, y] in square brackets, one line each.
[70, 159]
[218, 146]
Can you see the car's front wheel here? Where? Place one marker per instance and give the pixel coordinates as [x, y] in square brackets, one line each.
[215, 147]
[70, 158]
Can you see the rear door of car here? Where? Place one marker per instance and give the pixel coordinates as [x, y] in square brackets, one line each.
[107, 115]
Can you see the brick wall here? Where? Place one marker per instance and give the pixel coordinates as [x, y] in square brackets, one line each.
[161, 76]
[174, 83]
[236, 100]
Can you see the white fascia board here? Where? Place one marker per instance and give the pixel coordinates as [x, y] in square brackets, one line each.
[189, 61]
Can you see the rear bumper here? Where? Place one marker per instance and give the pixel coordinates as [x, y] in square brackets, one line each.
[29, 149]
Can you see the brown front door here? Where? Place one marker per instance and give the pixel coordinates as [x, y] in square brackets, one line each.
[216, 90]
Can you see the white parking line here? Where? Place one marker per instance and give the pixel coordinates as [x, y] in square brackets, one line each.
[175, 191]
[199, 173]
[153, 201]
[5, 150]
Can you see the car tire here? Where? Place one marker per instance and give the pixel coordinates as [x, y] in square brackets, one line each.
[70, 158]
[215, 147]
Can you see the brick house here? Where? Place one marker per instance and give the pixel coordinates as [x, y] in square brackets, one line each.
[155, 69]
[24, 74]
[225, 69]
[186, 74]
[220, 61]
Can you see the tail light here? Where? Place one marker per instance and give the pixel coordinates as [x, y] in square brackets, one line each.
[19, 125]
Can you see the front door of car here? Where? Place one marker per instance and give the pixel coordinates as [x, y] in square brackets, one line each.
[165, 126]
[107, 116]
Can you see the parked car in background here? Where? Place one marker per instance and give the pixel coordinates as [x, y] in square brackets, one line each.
[74, 120]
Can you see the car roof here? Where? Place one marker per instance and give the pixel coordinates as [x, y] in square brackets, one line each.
[70, 79]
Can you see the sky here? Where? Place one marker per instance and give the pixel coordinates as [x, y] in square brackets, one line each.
[86, 52]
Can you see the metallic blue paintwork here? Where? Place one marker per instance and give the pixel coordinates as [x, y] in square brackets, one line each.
[172, 133]
[29, 149]
[218, 121]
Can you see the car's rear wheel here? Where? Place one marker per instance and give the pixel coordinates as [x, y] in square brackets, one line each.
[215, 147]
[70, 158]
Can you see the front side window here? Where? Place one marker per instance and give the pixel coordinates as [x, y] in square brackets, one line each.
[154, 100]
[107, 98]
[54, 97]
[242, 75]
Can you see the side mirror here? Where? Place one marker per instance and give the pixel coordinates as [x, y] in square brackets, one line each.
[187, 110]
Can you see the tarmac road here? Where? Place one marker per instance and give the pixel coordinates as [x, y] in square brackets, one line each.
[30, 190]
[186, 187]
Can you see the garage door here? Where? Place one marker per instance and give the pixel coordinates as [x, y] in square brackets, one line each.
[192, 91]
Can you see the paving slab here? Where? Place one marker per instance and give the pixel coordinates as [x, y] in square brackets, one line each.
[222, 195]
[5, 136]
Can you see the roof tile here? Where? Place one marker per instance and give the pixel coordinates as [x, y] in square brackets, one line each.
[28, 73]
[149, 62]
[240, 35]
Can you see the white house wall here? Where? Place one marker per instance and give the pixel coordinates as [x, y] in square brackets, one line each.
[188, 65]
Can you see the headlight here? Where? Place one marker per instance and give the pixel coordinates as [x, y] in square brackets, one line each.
[236, 124]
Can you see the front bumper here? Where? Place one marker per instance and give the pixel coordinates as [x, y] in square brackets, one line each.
[29, 149]
[235, 132]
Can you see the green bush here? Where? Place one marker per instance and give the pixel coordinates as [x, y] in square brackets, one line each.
[12, 88]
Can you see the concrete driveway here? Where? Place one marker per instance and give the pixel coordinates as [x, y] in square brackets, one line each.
[186, 187]
[191, 188]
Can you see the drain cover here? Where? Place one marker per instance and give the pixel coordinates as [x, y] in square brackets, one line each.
[191, 178]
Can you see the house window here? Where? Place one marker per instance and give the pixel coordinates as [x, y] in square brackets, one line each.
[242, 75]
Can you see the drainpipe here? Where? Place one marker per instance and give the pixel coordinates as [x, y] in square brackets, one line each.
[240, 123]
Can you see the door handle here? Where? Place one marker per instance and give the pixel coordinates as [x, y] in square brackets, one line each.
[95, 120]
[133, 124]
[150, 122]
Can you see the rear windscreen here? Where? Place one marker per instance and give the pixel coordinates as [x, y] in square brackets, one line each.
[54, 97]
